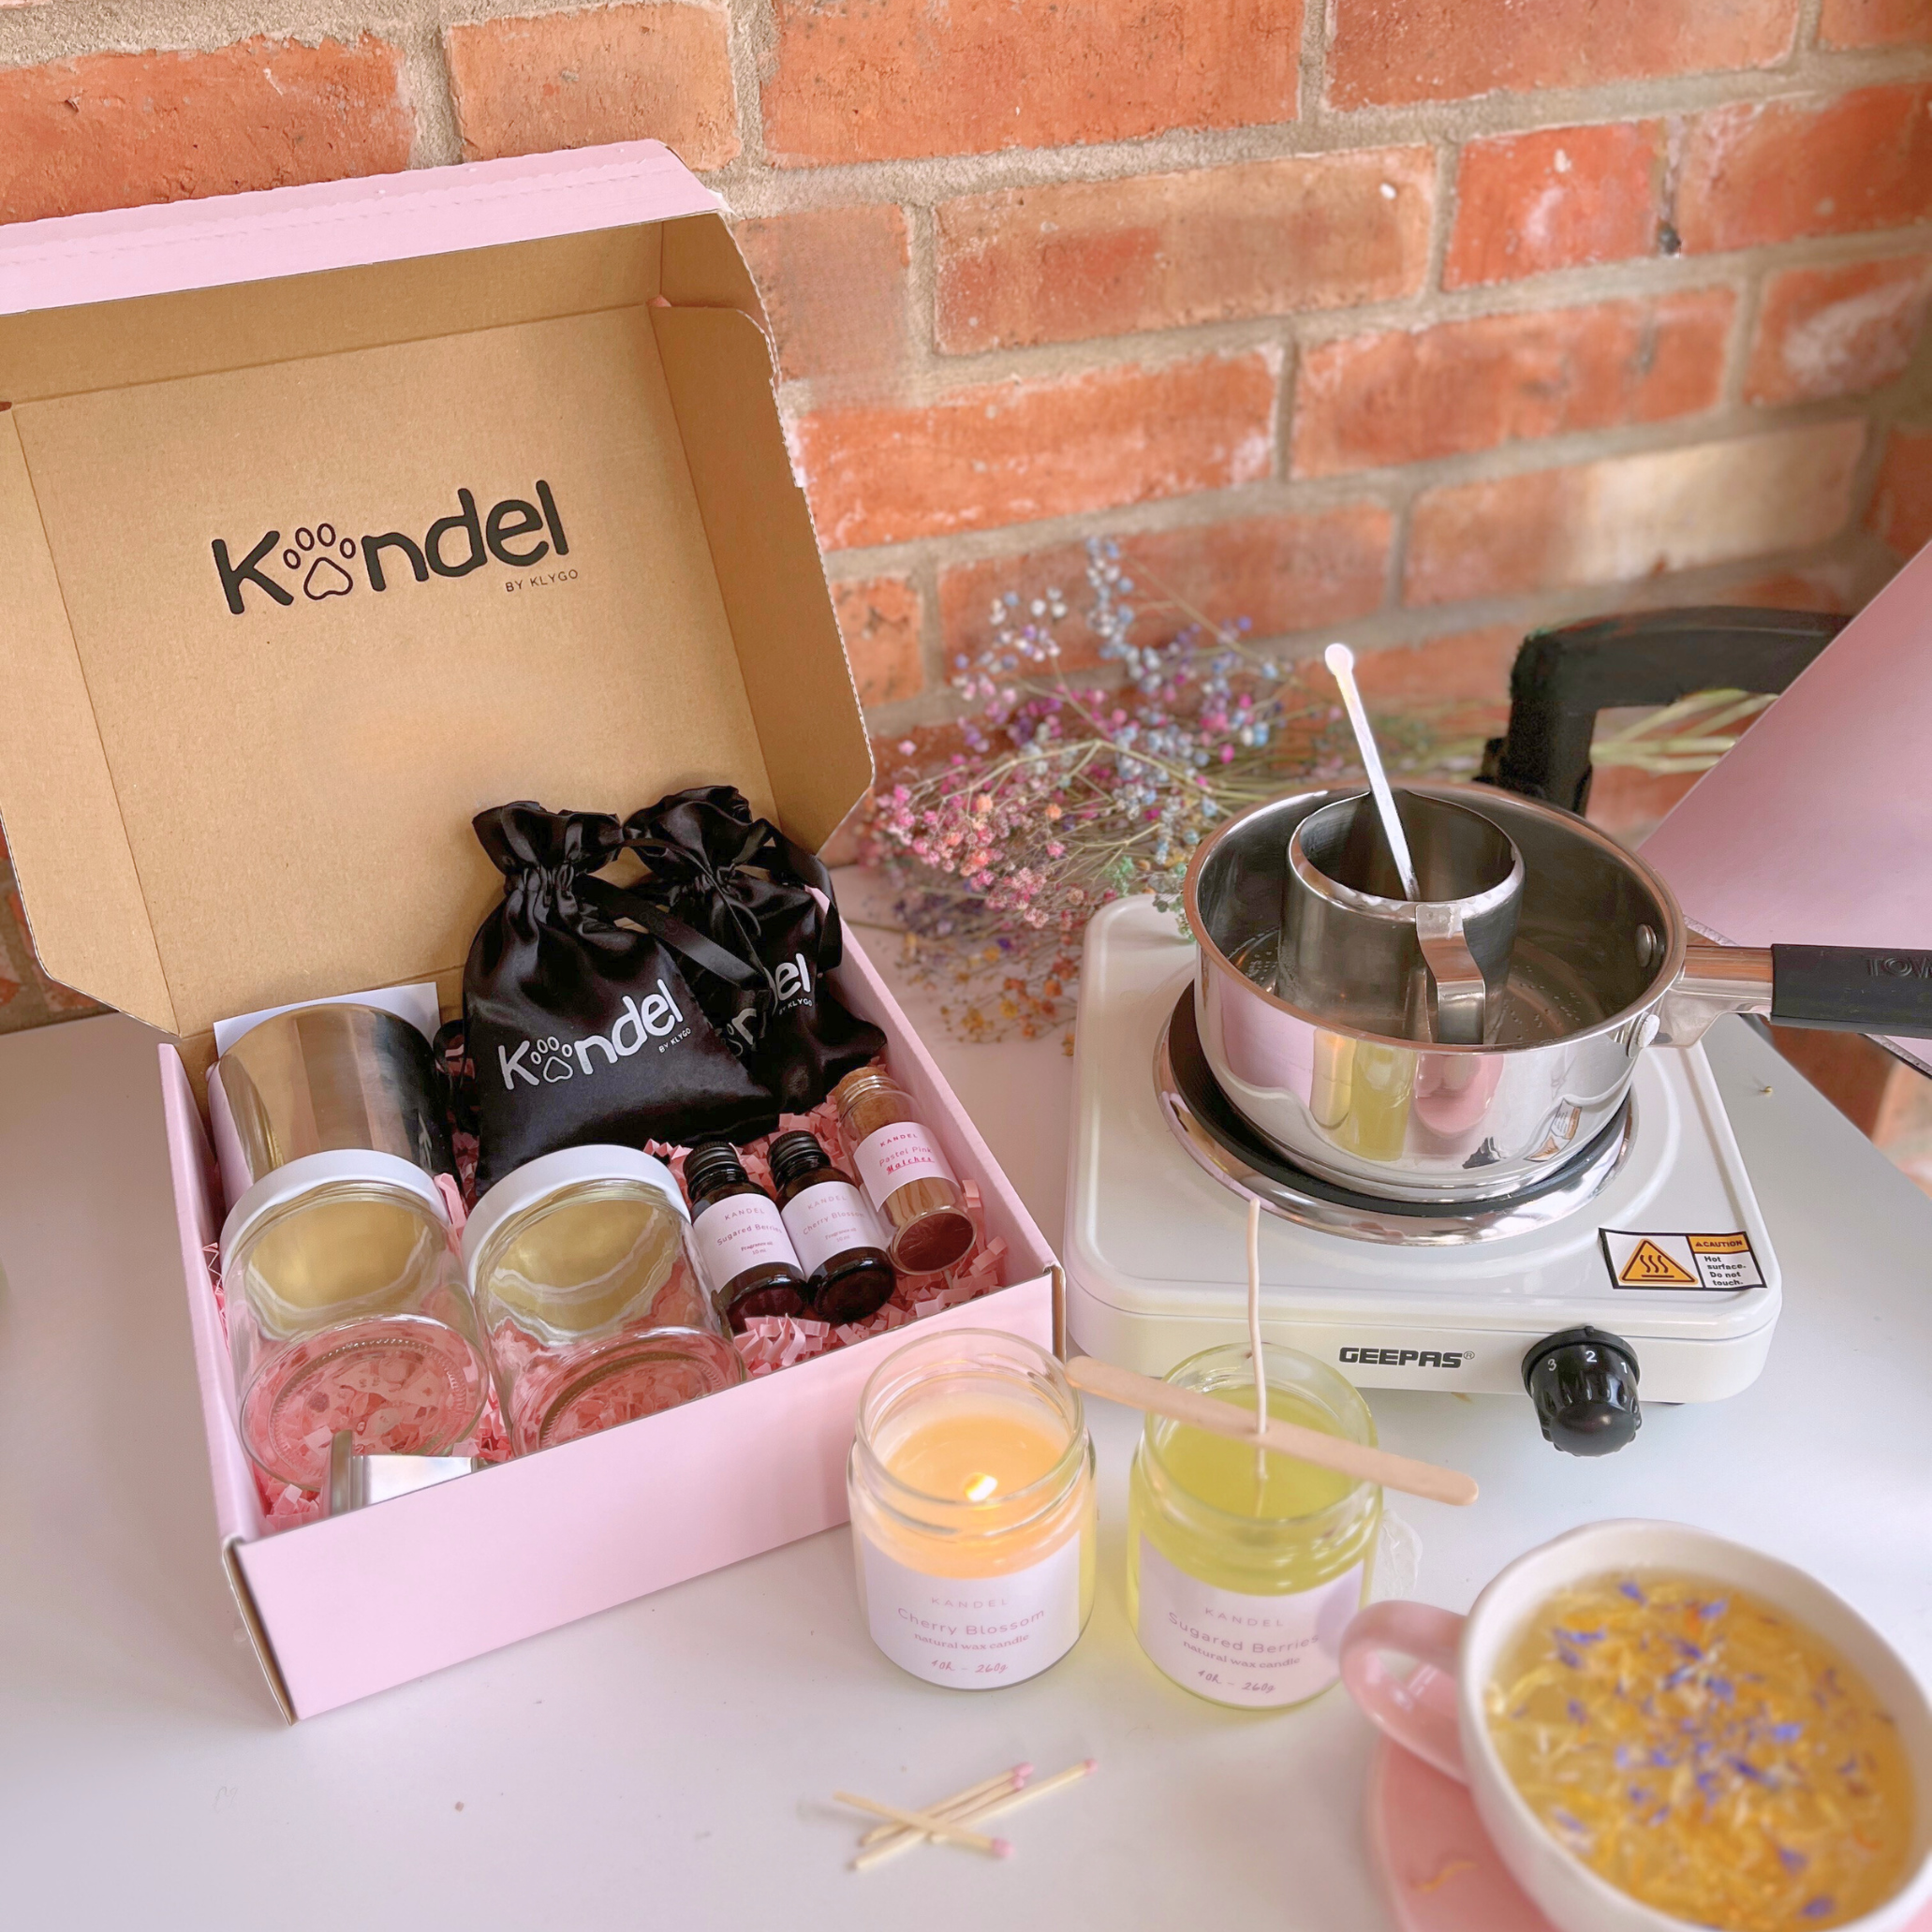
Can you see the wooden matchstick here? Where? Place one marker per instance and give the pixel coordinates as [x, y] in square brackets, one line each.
[924, 1822]
[985, 1808]
[1412, 1478]
[951, 1809]
[1005, 1802]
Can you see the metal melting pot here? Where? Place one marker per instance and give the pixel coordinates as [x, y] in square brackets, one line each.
[1602, 968]
[1350, 946]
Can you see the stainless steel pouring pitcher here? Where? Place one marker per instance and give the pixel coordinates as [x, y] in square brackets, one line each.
[1353, 948]
[324, 1079]
[1602, 966]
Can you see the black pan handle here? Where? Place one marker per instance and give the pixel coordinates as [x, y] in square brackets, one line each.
[1563, 678]
[1853, 989]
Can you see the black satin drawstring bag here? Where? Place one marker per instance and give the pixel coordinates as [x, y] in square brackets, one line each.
[755, 893]
[579, 1019]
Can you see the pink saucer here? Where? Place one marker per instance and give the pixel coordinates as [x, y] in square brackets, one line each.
[1439, 1871]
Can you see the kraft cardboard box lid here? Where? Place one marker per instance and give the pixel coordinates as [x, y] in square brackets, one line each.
[331, 516]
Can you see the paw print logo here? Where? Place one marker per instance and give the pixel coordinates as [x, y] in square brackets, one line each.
[551, 1059]
[326, 577]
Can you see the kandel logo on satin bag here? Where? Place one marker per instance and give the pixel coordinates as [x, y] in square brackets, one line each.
[321, 560]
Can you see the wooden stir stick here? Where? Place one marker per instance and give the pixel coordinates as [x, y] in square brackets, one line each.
[1412, 1478]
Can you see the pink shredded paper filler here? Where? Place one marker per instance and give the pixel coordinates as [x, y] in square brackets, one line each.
[768, 1343]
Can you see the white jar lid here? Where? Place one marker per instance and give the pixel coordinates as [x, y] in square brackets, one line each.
[282, 1184]
[552, 1173]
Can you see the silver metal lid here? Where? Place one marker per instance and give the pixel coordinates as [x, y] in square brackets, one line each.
[326, 1079]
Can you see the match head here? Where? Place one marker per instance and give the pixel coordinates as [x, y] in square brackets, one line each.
[1002, 1848]
[1092, 1765]
[1338, 657]
[1023, 1772]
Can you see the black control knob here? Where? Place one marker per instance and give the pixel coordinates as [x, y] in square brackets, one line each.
[1584, 1383]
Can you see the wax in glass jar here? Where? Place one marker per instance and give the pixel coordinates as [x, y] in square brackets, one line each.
[346, 1310]
[1245, 1566]
[1705, 1753]
[971, 1484]
[581, 1265]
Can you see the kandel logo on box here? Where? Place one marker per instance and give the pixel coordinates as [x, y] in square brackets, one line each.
[322, 562]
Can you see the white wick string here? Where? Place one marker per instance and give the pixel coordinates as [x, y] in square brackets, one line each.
[1254, 1342]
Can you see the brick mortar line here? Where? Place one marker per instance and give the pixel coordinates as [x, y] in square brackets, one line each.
[33, 35]
[1805, 39]
[1312, 78]
[924, 578]
[753, 36]
[933, 375]
[1394, 489]
[931, 179]
[432, 99]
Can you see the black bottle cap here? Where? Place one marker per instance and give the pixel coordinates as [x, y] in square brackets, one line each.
[1583, 1384]
[793, 1154]
[711, 1163]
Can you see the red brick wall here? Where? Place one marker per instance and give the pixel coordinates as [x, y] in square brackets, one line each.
[1428, 320]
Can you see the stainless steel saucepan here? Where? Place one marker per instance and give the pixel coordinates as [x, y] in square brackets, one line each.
[1602, 968]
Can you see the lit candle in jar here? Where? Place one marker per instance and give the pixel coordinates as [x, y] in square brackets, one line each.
[971, 1484]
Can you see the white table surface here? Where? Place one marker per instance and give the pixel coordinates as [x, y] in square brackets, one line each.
[667, 1764]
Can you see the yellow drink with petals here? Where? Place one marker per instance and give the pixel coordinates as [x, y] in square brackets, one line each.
[1705, 1753]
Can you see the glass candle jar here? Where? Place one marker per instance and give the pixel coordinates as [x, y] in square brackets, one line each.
[847, 1273]
[971, 1484]
[580, 1267]
[916, 1196]
[346, 1310]
[1244, 1566]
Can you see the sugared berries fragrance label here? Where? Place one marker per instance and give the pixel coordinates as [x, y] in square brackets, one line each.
[1236, 1648]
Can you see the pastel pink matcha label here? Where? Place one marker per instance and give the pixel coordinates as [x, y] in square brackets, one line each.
[902, 1152]
[740, 1231]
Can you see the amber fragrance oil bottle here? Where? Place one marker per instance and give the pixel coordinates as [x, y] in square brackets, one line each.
[745, 1259]
[849, 1273]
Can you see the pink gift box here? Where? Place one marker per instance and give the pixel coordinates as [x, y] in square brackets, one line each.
[226, 790]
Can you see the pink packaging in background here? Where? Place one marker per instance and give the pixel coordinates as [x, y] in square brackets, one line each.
[1817, 829]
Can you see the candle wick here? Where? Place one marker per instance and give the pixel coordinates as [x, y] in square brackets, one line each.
[1254, 1343]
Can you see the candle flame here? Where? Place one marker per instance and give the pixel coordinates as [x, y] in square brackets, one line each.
[979, 1487]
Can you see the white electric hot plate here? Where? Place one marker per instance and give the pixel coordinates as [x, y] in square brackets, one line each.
[1655, 1237]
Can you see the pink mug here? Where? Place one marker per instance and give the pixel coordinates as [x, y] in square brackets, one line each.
[1435, 1711]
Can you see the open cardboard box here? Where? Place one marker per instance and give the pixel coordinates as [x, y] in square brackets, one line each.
[330, 516]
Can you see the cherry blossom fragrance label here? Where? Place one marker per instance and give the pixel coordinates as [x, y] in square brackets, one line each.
[1235, 1648]
[902, 1152]
[974, 1632]
[740, 1231]
[831, 1219]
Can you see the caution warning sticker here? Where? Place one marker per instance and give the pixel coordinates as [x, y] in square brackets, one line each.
[1721, 1262]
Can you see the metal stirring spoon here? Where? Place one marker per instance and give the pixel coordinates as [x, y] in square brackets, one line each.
[1341, 661]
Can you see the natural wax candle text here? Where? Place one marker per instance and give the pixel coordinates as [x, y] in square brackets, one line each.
[972, 1498]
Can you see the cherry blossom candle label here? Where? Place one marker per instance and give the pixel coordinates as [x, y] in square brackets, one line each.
[971, 1484]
